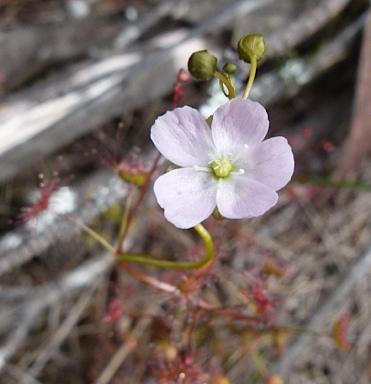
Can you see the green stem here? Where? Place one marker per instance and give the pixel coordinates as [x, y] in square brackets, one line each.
[101, 240]
[227, 83]
[253, 66]
[148, 260]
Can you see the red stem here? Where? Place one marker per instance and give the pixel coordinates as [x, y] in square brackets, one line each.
[139, 201]
[148, 279]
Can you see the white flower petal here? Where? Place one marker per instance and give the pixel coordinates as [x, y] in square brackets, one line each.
[239, 122]
[183, 137]
[270, 162]
[187, 196]
[239, 197]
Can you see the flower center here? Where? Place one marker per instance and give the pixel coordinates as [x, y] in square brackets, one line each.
[222, 167]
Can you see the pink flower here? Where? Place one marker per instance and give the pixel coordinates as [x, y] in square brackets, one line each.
[228, 166]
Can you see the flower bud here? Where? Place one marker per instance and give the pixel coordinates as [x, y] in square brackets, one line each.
[230, 68]
[251, 46]
[202, 65]
[138, 179]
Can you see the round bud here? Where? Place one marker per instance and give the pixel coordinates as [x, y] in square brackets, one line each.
[251, 46]
[230, 68]
[202, 65]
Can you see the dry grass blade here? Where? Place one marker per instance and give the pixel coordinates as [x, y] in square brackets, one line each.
[330, 309]
[23, 317]
[123, 352]
[62, 333]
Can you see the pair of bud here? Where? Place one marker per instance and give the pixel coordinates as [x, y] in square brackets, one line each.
[202, 64]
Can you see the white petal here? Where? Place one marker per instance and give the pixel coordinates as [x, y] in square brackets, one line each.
[239, 197]
[183, 137]
[239, 122]
[271, 162]
[188, 196]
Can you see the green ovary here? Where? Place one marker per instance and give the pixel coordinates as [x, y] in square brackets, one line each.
[222, 167]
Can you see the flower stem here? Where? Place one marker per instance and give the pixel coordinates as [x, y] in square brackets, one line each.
[223, 80]
[148, 260]
[253, 65]
[101, 240]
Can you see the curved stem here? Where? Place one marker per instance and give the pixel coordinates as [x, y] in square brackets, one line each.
[148, 260]
[227, 83]
[251, 77]
[101, 240]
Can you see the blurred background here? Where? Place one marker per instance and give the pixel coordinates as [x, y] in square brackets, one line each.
[81, 83]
